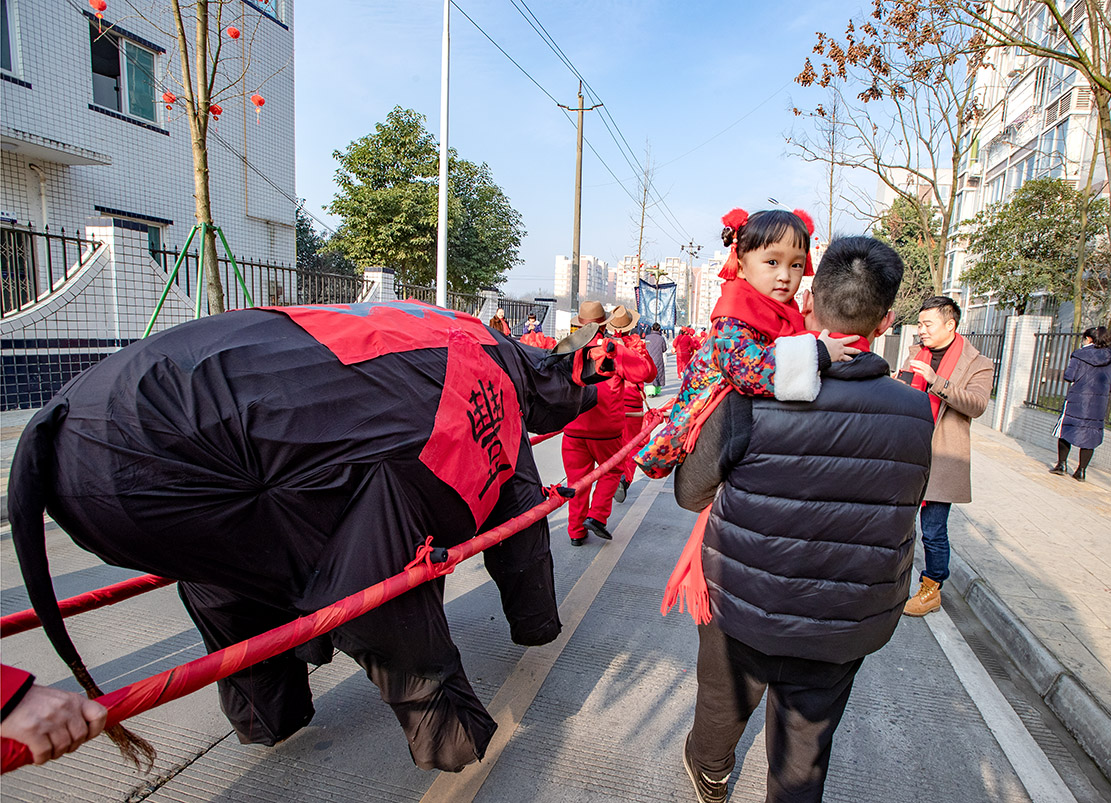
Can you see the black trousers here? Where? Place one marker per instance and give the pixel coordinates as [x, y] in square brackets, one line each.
[805, 702]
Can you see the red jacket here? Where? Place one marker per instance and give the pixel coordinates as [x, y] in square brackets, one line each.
[607, 418]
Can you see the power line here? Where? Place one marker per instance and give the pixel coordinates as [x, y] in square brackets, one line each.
[627, 151]
[566, 115]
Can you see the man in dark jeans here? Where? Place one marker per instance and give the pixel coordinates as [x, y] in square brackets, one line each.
[807, 552]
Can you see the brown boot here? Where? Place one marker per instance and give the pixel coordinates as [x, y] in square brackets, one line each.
[927, 599]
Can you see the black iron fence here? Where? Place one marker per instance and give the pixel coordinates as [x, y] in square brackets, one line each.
[462, 302]
[517, 312]
[34, 263]
[269, 285]
[991, 346]
[1048, 387]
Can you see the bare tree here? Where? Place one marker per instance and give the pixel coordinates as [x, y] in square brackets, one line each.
[914, 118]
[1076, 34]
[208, 78]
[644, 190]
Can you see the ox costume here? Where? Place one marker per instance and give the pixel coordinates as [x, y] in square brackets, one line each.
[277, 460]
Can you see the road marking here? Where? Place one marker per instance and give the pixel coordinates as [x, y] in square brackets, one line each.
[515, 696]
[1034, 770]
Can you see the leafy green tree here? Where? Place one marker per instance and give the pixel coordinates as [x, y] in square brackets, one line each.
[901, 228]
[317, 254]
[1029, 243]
[387, 198]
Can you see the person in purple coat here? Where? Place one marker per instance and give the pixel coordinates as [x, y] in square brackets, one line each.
[1081, 422]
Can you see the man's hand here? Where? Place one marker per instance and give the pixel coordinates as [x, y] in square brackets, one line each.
[838, 347]
[52, 723]
[924, 370]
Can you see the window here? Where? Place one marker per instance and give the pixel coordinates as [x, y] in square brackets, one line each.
[129, 88]
[5, 37]
[1057, 154]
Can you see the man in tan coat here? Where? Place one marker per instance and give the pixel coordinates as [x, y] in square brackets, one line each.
[958, 380]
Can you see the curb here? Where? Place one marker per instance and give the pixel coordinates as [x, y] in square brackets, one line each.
[1077, 708]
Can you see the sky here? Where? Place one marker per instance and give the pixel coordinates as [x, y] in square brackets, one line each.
[706, 87]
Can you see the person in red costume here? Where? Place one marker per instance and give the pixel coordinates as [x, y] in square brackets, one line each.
[685, 346]
[596, 435]
[49, 721]
[622, 325]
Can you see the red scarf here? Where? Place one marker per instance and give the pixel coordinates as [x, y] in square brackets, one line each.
[742, 301]
[944, 370]
[688, 581]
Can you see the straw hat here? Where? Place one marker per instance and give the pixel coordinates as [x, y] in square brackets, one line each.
[622, 319]
[590, 312]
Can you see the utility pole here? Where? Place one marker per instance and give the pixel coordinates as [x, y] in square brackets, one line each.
[578, 197]
[441, 205]
[692, 251]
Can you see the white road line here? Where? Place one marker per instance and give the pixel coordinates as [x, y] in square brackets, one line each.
[1034, 770]
[515, 696]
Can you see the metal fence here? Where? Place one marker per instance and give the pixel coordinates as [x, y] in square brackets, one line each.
[991, 346]
[35, 263]
[1048, 387]
[462, 302]
[516, 312]
[269, 285]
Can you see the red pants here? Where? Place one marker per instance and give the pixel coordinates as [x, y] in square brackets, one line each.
[580, 457]
[633, 425]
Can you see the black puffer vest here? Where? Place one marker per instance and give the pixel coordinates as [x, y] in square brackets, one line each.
[809, 546]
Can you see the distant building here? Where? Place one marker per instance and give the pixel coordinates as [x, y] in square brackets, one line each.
[594, 279]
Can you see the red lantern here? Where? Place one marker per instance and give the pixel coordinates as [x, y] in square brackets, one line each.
[169, 98]
[259, 102]
[215, 110]
[98, 7]
[233, 32]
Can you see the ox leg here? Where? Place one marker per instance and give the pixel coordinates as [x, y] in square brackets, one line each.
[521, 565]
[267, 702]
[406, 649]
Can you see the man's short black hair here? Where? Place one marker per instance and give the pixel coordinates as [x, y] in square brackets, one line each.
[946, 307]
[855, 284]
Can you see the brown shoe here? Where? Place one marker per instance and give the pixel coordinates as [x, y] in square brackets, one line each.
[926, 600]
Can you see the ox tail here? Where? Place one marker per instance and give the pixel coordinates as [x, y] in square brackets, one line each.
[32, 475]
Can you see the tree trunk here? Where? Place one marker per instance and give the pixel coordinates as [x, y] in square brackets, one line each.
[1082, 243]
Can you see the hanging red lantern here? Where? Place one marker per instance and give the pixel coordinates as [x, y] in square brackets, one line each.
[169, 98]
[98, 6]
[259, 102]
[215, 110]
[233, 32]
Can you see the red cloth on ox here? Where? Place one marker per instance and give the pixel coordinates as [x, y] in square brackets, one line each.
[478, 424]
[403, 326]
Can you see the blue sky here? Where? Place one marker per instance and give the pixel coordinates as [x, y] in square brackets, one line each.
[672, 75]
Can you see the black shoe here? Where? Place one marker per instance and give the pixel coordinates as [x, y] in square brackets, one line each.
[1078, 475]
[578, 541]
[1059, 469]
[705, 789]
[596, 527]
[620, 493]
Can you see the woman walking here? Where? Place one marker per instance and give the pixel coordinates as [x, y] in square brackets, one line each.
[1081, 423]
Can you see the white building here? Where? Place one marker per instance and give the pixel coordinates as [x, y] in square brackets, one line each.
[84, 131]
[1045, 125]
[594, 279]
[88, 146]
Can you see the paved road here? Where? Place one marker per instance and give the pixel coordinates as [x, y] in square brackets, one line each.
[939, 714]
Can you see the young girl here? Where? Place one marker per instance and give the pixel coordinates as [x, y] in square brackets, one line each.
[753, 345]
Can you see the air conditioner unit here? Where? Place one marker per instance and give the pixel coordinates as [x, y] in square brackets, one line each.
[973, 181]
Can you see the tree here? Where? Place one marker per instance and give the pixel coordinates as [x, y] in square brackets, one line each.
[901, 228]
[317, 254]
[387, 200]
[1076, 34]
[1028, 244]
[205, 83]
[913, 120]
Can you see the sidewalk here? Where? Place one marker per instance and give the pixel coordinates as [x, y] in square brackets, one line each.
[1033, 559]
